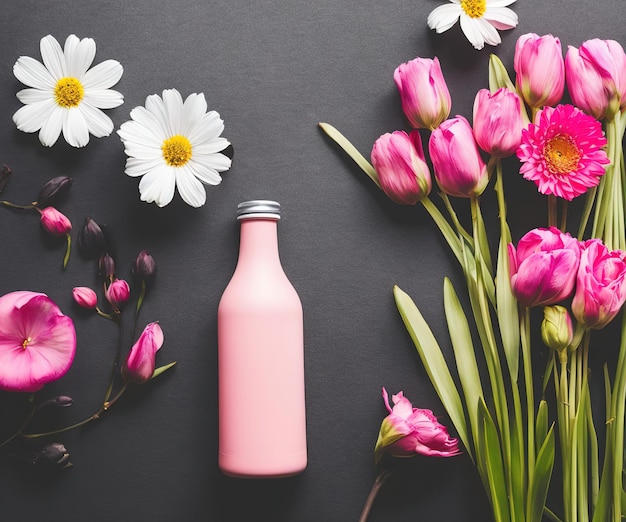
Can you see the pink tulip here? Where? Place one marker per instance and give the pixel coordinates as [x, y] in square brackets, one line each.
[596, 77]
[55, 222]
[600, 285]
[118, 292]
[458, 166]
[498, 122]
[423, 92]
[140, 363]
[543, 267]
[540, 70]
[85, 297]
[402, 170]
[37, 342]
[408, 431]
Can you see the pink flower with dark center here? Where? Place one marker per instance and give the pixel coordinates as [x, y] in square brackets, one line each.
[563, 152]
[37, 342]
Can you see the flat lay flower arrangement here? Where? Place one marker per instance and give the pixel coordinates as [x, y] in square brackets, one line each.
[172, 144]
[562, 116]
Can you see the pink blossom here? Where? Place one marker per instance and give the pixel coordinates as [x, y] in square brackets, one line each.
[85, 297]
[459, 169]
[563, 152]
[37, 342]
[498, 122]
[540, 69]
[407, 431]
[543, 266]
[140, 363]
[423, 91]
[118, 292]
[600, 284]
[596, 77]
[402, 170]
[55, 222]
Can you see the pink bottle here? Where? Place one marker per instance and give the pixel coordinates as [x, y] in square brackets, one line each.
[262, 425]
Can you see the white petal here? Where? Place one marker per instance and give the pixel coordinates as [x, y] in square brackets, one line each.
[190, 188]
[30, 118]
[501, 18]
[488, 32]
[204, 173]
[139, 150]
[211, 147]
[103, 98]
[53, 57]
[218, 162]
[79, 55]
[138, 167]
[150, 122]
[154, 105]
[158, 185]
[209, 128]
[98, 123]
[103, 75]
[472, 32]
[137, 133]
[75, 130]
[194, 110]
[33, 73]
[51, 129]
[27, 96]
[173, 102]
[444, 17]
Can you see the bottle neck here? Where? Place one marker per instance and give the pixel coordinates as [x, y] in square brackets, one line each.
[258, 241]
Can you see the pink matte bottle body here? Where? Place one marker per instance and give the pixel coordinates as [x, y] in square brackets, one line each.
[262, 422]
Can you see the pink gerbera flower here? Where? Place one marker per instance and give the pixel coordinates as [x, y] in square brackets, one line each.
[37, 342]
[563, 152]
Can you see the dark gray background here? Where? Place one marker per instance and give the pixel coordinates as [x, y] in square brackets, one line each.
[273, 70]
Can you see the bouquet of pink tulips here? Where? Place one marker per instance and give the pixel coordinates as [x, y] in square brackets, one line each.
[578, 279]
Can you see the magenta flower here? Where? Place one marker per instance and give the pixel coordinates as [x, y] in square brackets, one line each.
[563, 152]
[596, 77]
[540, 69]
[423, 91]
[85, 297]
[600, 284]
[55, 222]
[402, 170]
[457, 164]
[37, 342]
[543, 267]
[407, 431]
[498, 122]
[140, 363]
[118, 292]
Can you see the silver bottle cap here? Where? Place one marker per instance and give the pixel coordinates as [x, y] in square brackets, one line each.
[258, 208]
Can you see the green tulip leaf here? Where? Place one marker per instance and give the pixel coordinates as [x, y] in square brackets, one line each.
[158, 371]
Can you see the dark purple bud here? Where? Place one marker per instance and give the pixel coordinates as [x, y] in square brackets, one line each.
[53, 455]
[106, 267]
[5, 176]
[63, 401]
[52, 190]
[144, 268]
[91, 239]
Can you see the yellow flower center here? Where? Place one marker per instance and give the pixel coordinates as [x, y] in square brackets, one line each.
[176, 151]
[474, 8]
[26, 342]
[561, 154]
[69, 92]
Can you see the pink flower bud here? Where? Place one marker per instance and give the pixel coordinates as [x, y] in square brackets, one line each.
[459, 169]
[118, 292]
[423, 92]
[408, 431]
[498, 122]
[600, 285]
[543, 267]
[540, 69]
[55, 222]
[85, 297]
[596, 77]
[140, 363]
[402, 170]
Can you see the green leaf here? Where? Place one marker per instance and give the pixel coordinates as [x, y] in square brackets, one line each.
[498, 75]
[538, 488]
[541, 422]
[351, 151]
[507, 309]
[433, 360]
[158, 371]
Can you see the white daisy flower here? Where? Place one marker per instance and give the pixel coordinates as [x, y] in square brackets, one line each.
[172, 144]
[64, 94]
[480, 19]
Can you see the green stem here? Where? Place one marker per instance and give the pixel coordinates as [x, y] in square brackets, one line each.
[530, 395]
[68, 250]
[552, 213]
[14, 205]
[116, 361]
[446, 230]
[378, 484]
